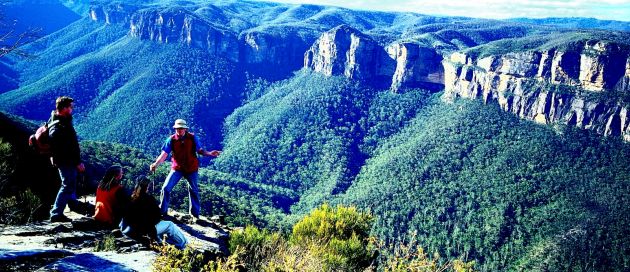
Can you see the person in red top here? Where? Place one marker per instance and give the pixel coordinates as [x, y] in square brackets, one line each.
[111, 198]
[184, 147]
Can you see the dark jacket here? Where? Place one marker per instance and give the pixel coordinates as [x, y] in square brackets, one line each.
[64, 141]
[141, 217]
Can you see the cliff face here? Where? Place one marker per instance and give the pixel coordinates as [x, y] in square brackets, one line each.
[258, 50]
[111, 14]
[566, 87]
[182, 26]
[416, 66]
[261, 50]
[346, 51]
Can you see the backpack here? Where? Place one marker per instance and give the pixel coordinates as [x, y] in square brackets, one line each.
[40, 141]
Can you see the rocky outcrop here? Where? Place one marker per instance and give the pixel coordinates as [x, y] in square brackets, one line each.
[256, 49]
[261, 50]
[111, 13]
[566, 87]
[416, 66]
[346, 51]
[181, 26]
[72, 246]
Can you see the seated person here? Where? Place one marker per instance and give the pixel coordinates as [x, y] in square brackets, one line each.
[111, 198]
[143, 218]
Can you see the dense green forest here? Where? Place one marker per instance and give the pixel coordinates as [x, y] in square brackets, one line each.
[467, 179]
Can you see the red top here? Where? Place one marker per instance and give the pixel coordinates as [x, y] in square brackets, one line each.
[184, 155]
[108, 205]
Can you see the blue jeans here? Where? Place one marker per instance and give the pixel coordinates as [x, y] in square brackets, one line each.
[67, 192]
[193, 191]
[174, 234]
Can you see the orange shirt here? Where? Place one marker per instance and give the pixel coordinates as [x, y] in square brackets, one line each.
[107, 205]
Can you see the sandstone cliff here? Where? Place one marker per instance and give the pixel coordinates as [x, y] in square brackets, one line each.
[262, 49]
[178, 25]
[258, 49]
[581, 88]
[416, 66]
[112, 14]
[346, 51]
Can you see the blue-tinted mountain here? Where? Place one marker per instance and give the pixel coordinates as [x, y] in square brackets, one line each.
[577, 23]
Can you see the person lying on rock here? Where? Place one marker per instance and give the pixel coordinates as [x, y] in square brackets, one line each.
[111, 198]
[143, 218]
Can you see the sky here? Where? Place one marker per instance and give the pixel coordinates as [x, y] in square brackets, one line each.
[494, 9]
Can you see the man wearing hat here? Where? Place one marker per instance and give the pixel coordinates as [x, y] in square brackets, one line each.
[184, 147]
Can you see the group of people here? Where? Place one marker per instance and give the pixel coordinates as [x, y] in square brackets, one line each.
[137, 215]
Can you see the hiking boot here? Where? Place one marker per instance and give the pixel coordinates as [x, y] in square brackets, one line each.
[116, 233]
[167, 217]
[59, 218]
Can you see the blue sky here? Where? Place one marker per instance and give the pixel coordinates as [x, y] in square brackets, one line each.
[495, 9]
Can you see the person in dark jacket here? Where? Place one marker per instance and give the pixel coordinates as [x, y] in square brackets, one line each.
[185, 146]
[66, 157]
[111, 198]
[143, 218]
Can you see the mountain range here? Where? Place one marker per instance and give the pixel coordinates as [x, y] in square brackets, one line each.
[499, 141]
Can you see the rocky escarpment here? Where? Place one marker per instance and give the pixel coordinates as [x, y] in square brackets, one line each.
[416, 66]
[74, 246]
[348, 52]
[261, 50]
[111, 14]
[582, 87]
[181, 26]
[258, 49]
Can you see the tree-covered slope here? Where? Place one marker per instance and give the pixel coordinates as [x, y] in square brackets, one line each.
[469, 179]
[121, 83]
[311, 134]
[472, 181]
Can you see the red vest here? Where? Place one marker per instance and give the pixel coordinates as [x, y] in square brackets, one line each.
[105, 203]
[184, 153]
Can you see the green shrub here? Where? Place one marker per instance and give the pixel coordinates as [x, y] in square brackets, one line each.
[19, 209]
[338, 235]
[107, 244]
[258, 245]
[7, 160]
[173, 259]
[326, 223]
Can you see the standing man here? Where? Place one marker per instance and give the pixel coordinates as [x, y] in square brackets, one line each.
[185, 147]
[66, 156]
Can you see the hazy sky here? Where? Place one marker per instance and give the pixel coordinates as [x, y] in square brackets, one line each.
[496, 9]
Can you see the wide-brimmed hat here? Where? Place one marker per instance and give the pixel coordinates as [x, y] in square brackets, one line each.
[180, 123]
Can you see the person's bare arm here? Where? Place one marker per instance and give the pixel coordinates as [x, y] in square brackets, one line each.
[213, 153]
[160, 159]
